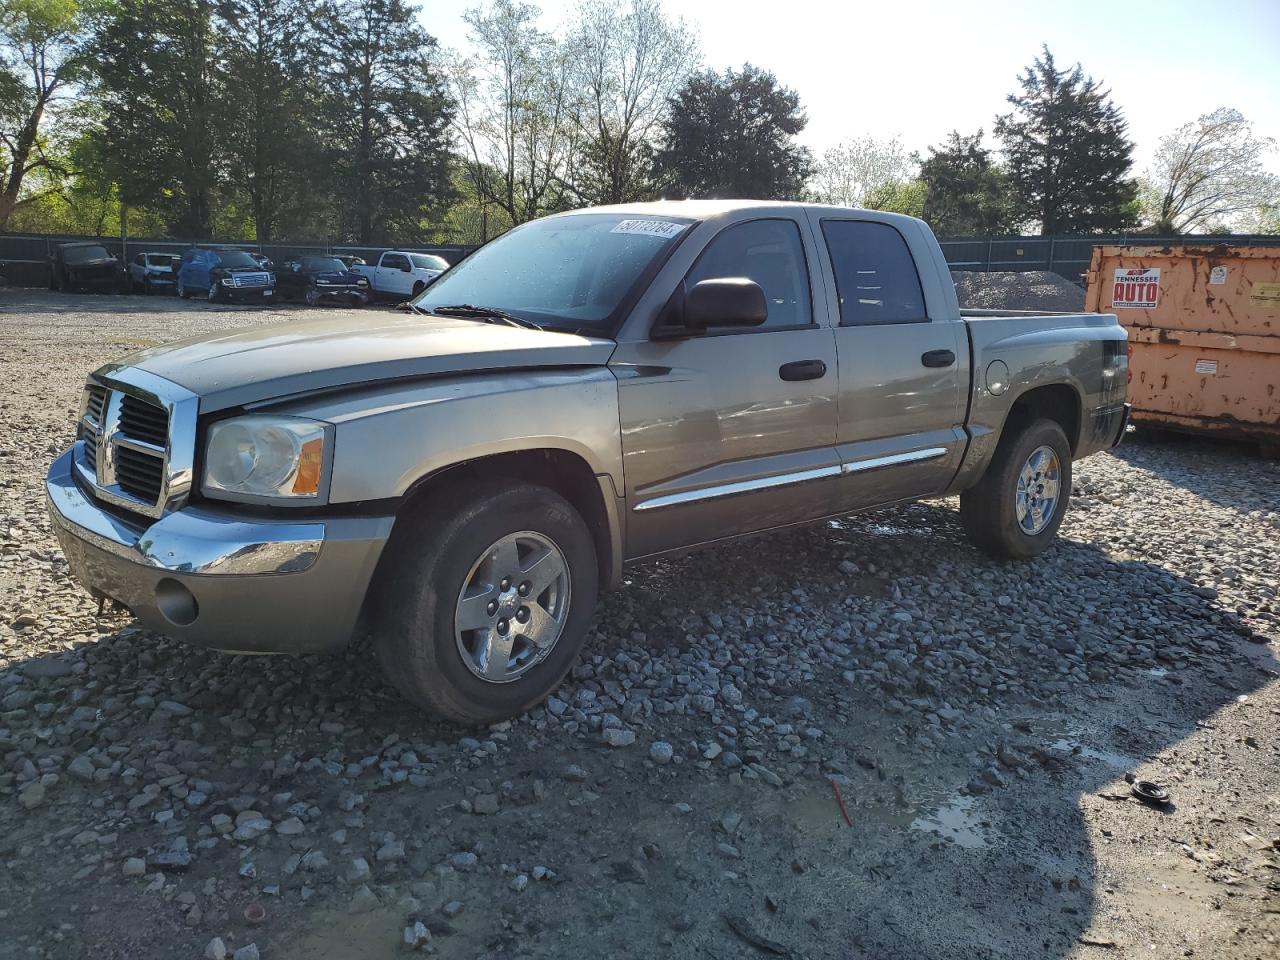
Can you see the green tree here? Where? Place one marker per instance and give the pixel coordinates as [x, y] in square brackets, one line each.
[386, 117]
[267, 58]
[41, 59]
[733, 135]
[966, 192]
[160, 85]
[1067, 151]
[901, 196]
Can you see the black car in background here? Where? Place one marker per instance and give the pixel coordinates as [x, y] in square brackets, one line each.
[319, 278]
[85, 265]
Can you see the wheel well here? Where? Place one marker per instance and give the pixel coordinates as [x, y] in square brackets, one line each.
[1055, 402]
[565, 473]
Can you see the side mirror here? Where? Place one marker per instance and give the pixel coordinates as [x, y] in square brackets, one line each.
[725, 302]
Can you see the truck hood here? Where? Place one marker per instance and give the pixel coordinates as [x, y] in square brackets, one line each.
[301, 356]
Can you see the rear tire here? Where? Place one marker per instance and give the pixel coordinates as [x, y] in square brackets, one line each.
[990, 510]
[452, 551]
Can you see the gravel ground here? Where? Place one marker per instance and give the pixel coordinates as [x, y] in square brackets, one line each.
[680, 795]
[1025, 290]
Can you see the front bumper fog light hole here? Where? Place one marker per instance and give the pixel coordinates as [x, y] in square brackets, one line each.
[176, 603]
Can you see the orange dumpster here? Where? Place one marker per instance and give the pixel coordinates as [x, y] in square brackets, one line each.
[1204, 335]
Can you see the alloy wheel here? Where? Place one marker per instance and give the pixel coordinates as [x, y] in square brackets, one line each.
[512, 607]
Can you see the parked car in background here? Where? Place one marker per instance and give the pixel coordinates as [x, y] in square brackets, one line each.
[587, 390]
[224, 273]
[151, 272]
[399, 275]
[85, 265]
[350, 260]
[262, 260]
[314, 279]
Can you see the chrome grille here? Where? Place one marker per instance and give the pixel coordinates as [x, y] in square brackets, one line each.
[95, 401]
[137, 441]
[250, 279]
[139, 474]
[143, 421]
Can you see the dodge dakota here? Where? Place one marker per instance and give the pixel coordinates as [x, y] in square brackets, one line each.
[588, 390]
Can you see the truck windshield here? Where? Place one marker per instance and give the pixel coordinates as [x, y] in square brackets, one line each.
[324, 264]
[236, 258]
[84, 254]
[568, 272]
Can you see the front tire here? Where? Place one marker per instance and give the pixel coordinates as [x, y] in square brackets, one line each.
[1015, 510]
[311, 297]
[215, 292]
[181, 289]
[484, 599]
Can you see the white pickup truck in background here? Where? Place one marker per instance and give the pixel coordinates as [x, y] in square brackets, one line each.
[400, 274]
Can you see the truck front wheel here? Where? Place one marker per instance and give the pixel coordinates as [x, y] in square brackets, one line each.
[484, 600]
[1015, 510]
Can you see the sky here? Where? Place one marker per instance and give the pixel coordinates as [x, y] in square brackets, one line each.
[917, 70]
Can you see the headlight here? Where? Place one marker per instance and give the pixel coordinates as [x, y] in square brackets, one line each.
[362, 282]
[227, 282]
[265, 456]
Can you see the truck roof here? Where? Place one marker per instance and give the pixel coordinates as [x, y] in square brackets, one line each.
[703, 209]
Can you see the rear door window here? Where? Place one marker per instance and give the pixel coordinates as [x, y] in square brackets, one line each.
[876, 277]
[771, 253]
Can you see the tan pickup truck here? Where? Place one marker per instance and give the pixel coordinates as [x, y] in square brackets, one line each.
[587, 390]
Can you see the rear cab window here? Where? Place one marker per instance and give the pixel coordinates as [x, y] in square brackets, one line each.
[876, 277]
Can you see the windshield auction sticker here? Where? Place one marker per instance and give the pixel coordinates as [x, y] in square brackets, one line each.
[661, 229]
[1136, 287]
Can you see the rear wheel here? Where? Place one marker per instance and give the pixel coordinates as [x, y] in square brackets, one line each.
[1015, 510]
[484, 600]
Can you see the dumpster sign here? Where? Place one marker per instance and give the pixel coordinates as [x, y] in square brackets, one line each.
[1136, 287]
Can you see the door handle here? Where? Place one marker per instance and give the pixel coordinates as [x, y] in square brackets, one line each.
[803, 370]
[938, 358]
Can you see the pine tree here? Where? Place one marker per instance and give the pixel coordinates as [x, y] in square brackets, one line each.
[161, 89]
[267, 58]
[733, 135]
[1067, 150]
[967, 194]
[386, 116]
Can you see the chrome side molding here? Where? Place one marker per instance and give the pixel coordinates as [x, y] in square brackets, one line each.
[788, 479]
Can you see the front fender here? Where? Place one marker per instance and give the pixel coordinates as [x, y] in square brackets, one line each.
[388, 437]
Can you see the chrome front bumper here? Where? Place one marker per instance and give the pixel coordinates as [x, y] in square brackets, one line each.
[219, 579]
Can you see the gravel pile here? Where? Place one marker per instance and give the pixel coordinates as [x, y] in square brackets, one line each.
[1026, 290]
[685, 791]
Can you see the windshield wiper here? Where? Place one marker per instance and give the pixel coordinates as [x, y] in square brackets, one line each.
[487, 314]
[412, 308]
